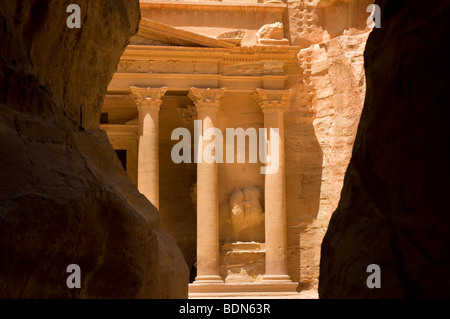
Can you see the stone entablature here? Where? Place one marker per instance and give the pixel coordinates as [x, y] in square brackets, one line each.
[181, 68]
[232, 55]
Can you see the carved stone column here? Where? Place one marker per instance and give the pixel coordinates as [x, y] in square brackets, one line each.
[273, 104]
[148, 101]
[207, 102]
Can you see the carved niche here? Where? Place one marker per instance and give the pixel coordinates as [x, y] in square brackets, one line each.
[242, 218]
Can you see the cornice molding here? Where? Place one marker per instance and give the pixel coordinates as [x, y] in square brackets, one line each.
[121, 82]
[214, 6]
[255, 54]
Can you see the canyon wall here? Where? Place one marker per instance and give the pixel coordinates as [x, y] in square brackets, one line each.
[393, 210]
[64, 198]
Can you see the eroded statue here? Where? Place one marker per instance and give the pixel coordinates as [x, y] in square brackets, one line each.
[243, 218]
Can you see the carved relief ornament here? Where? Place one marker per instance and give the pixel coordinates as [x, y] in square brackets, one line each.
[147, 97]
[206, 98]
[273, 100]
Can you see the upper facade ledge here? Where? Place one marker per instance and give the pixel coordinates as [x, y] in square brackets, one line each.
[144, 51]
[246, 50]
[163, 48]
[214, 6]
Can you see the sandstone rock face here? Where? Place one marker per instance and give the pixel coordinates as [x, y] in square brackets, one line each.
[64, 198]
[393, 210]
[172, 274]
[321, 122]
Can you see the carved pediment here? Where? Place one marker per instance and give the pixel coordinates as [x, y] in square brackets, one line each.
[158, 32]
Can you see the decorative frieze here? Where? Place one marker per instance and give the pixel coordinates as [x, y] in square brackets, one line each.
[230, 55]
[167, 67]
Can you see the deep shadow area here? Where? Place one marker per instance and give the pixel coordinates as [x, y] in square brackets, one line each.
[393, 210]
[65, 198]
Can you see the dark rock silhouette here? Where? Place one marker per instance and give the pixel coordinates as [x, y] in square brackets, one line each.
[64, 198]
[394, 208]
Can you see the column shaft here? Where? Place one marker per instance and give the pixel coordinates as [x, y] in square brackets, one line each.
[207, 210]
[275, 206]
[207, 104]
[148, 101]
[273, 104]
[148, 156]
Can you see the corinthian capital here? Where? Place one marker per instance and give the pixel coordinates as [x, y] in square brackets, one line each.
[147, 97]
[273, 100]
[206, 98]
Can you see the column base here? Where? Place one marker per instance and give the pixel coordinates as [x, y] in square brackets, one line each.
[200, 280]
[276, 278]
[263, 288]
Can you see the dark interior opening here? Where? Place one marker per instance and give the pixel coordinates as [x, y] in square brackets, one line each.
[104, 118]
[122, 155]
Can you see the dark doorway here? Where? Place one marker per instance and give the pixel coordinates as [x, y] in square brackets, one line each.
[122, 155]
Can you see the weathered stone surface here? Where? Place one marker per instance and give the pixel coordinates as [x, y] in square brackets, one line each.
[172, 275]
[393, 209]
[64, 198]
[271, 34]
[243, 215]
[321, 122]
[242, 262]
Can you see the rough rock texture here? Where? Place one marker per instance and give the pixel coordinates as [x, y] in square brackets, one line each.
[271, 31]
[393, 209]
[64, 198]
[321, 122]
